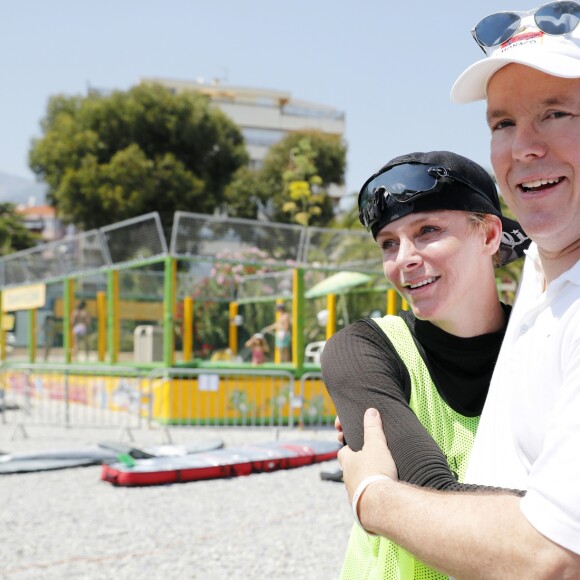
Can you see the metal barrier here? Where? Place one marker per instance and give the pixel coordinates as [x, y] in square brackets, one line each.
[223, 397]
[71, 396]
[316, 409]
[127, 398]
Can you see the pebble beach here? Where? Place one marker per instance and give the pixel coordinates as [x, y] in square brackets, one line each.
[287, 524]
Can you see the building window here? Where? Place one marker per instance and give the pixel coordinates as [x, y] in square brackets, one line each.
[262, 137]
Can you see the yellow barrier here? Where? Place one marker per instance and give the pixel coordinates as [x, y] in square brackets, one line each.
[239, 400]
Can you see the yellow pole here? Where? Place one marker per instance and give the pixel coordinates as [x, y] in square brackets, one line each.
[331, 322]
[277, 356]
[2, 332]
[101, 325]
[115, 321]
[391, 301]
[187, 328]
[233, 334]
[404, 305]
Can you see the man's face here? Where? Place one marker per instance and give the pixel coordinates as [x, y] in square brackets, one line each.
[535, 151]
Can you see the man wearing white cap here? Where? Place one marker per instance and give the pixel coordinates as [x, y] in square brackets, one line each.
[529, 433]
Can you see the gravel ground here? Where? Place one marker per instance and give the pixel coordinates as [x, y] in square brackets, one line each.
[70, 524]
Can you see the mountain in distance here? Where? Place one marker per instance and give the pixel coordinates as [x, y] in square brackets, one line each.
[21, 191]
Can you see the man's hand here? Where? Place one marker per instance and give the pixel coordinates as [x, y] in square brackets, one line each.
[374, 458]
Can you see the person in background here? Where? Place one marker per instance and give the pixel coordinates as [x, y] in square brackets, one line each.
[81, 324]
[49, 330]
[283, 334]
[259, 348]
[529, 431]
[437, 221]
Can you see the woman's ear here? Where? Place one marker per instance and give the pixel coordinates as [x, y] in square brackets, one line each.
[493, 232]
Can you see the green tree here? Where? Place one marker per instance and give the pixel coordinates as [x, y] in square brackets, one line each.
[13, 234]
[247, 194]
[348, 219]
[292, 185]
[111, 157]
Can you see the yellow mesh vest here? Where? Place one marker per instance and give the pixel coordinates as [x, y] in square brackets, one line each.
[375, 558]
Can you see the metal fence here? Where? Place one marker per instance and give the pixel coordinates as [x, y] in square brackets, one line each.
[126, 398]
[199, 236]
[338, 249]
[129, 241]
[252, 241]
[244, 240]
[72, 396]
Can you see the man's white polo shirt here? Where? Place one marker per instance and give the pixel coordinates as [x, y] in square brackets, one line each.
[529, 433]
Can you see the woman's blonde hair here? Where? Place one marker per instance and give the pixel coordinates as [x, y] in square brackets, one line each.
[480, 222]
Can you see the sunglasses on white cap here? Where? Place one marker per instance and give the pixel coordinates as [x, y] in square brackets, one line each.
[555, 18]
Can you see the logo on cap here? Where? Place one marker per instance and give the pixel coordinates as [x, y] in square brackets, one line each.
[531, 37]
[509, 239]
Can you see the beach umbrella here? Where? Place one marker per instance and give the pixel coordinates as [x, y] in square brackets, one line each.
[338, 283]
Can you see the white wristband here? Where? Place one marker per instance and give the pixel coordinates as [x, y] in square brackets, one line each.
[359, 491]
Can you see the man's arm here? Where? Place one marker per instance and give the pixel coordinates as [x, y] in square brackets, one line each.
[467, 535]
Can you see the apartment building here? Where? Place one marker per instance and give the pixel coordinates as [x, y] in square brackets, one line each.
[42, 219]
[264, 116]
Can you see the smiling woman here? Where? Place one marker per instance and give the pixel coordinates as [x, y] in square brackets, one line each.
[437, 220]
[433, 258]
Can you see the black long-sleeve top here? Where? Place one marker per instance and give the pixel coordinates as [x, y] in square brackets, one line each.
[361, 369]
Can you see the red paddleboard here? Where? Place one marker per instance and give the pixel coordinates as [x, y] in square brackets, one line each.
[227, 462]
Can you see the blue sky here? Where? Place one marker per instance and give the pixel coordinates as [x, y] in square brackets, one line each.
[388, 65]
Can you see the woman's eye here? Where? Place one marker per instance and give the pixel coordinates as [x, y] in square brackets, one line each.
[428, 229]
[387, 245]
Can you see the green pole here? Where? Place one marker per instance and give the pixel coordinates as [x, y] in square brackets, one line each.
[66, 318]
[168, 309]
[112, 278]
[298, 319]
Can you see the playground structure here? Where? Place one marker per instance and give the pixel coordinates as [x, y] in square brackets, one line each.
[188, 300]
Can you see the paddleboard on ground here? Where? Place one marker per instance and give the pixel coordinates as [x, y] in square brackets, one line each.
[227, 462]
[54, 459]
[103, 453]
[162, 450]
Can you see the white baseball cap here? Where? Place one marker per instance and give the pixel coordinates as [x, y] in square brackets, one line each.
[557, 55]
